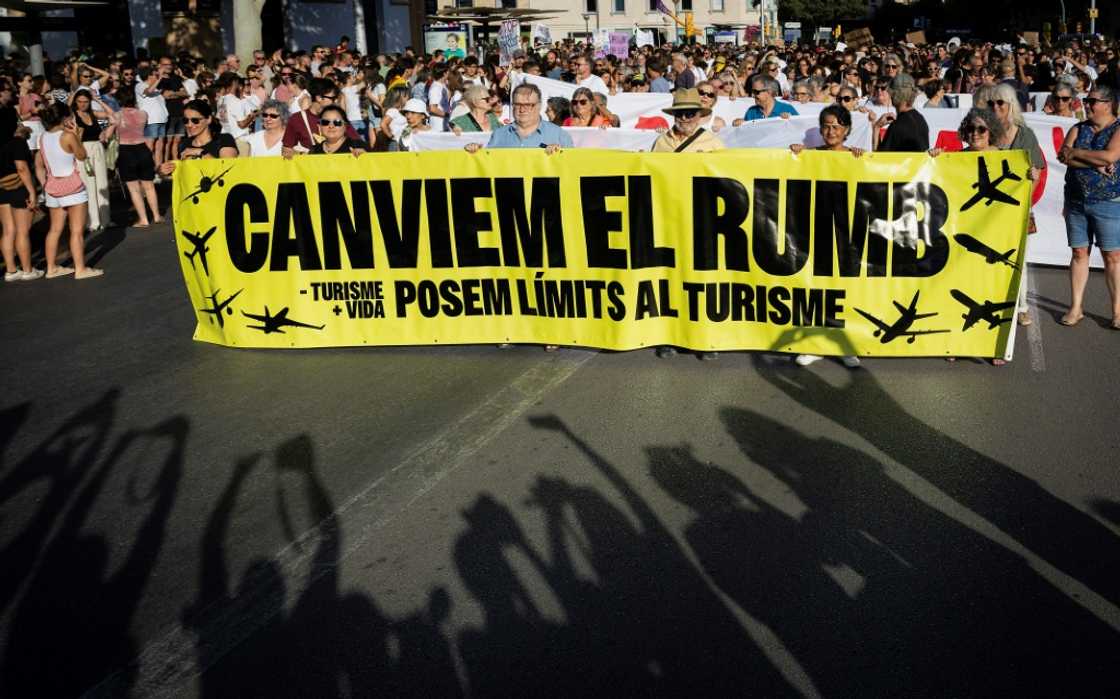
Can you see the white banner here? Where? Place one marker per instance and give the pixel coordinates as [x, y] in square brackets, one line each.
[608, 139]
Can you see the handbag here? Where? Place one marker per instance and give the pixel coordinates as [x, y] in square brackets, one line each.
[59, 187]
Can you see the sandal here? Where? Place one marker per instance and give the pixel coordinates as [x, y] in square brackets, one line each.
[1115, 324]
[59, 272]
[1025, 319]
[1070, 321]
[88, 273]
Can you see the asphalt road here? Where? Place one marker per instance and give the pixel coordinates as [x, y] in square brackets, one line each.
[180, 519]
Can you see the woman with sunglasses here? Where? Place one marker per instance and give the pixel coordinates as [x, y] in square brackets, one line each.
[1004, 103]
[1062, 102]
[56, 163]
[708, 99]
[1091, 152]
[585, 112]
[479, 117]
[980, 131]
[96, 177]
[835, 124]
[332, 126]
[203, 140]
[135, 163]
[269, 141]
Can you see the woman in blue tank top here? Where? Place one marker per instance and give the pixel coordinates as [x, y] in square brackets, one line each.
[1091, 151]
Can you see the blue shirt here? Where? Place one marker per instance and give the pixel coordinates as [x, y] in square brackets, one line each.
[661, 85]
[546, 134]
[779, 109]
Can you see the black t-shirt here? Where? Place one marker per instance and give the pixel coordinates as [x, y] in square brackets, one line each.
[174, 84]
[15, 149]
[212, 148]
[908, 134]
[348, 145]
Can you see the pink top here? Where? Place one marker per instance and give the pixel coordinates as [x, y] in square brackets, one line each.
[30, 103]
[130, 130]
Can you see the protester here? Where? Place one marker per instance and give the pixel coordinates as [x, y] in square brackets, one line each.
[1016, 136]
[333, 125]
[479, 117]
[835, 124]
[585, 111]
[708, 98]
[17, 200]
[149, 99]
[270, 140]
[203, 139]
[766, 91]
[56, 164]
[135, 161]
[95, 175]
[559, 109]
[908, 131]
[416, 114]
[1091, 151]
[302, 131]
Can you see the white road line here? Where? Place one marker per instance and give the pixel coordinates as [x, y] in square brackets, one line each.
[1034, 330]
[168, 663]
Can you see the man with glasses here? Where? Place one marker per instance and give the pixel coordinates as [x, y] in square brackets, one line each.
[528, 130]
[302, 131]
[765, 91]
[85, 77]
[585, 78]
[263, 68]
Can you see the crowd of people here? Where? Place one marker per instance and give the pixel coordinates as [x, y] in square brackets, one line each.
[91, 119]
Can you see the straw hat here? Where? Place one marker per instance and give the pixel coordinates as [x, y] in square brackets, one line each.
[684, 100]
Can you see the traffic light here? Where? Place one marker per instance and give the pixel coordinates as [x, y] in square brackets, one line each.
[689, 27]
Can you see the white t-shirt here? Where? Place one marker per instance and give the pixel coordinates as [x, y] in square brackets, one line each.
[293, 106]
[479, 79]
[232, 109]
[155, 107]
[353, 101]
[191, 86]
[397, 123]
[258, 148]
[595, 84]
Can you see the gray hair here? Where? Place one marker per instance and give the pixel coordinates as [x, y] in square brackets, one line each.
[804, 82]
[475, 92]
[527, 87]
[280, 107]
[995, 126]
[902, 89]
[769, 84]
[1108, 94]
[1005, 92]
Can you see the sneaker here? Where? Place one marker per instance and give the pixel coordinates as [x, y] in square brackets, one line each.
[665, 351]
[16, 276]
[708, 356]
[806, 359]
[851, 362]
[32, 275]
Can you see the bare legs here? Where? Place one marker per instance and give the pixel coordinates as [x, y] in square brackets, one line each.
[76, 216]
[148, 190]
[1112, 278]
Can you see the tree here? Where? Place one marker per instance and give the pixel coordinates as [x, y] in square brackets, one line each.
[247, 29]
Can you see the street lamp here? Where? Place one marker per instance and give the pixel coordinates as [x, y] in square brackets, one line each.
[586, 29]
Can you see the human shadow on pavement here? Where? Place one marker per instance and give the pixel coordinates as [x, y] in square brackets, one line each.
[873, 591]
[643, 623]
[60, 462]
[329, 642]
[1059, 533]
[73, 622]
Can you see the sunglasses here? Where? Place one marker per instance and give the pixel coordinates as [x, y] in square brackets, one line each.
[331, 97]
[756, 93]
[889, 66]
[975, 129]
[269, 115]
[85, 76]
[704, 93]
[1094, 100]
[581, 101]
[993, 103]
[845, 98]
[1063, 99]
[686, 113]
[195, 120]
[332, 122]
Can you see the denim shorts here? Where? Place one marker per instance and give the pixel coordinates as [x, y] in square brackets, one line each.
[1093, 224]
[155, 130]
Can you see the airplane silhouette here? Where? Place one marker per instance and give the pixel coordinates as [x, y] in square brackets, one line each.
[273, 323]
[981, 311]
[987, 188]
[200, 249]
[216, 308]
[990, 255]
[901, 327]
[206, 184]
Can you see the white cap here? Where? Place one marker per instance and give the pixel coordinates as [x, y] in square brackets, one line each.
[955, 41]
[415, 105]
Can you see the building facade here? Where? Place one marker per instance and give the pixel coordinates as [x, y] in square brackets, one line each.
[575, 18]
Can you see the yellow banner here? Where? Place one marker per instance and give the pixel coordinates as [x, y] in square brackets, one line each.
[825, 253]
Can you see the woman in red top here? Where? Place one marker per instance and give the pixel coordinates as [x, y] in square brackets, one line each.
[584, 110]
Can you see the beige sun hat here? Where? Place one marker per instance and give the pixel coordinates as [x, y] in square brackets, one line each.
[684, 100]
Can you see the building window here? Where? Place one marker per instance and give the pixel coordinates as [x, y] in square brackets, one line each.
[618, 7]
[653, 6]
[686, 5]
[717, 5]
[509, 4]
[464, 3]
[592, 5]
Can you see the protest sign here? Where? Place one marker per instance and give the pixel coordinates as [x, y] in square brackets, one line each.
[620, 45]
[745, 249]
[918, 38]
[509, 38]
[542, 35]
[858, 38]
